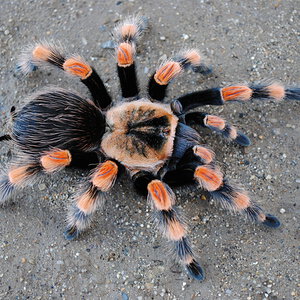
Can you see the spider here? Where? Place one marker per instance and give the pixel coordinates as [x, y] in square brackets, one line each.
[150, 139]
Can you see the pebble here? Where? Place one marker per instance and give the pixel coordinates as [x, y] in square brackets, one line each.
[228, 292]
[84, 41]
[124, 296]
[282, 210]
[298, 180]
[42, 186]
[162, 38]
[185, 36]
[276, 131]
[109, 45]
[6, 32]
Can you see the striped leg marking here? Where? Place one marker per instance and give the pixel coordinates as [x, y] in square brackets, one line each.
[55, 160]
[228, 131]
[90, 197]
[167, 216]
[17, 178]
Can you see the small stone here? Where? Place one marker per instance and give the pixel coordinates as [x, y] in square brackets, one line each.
[59, 262]
[205, 219]
[149, 285]
[109, 45]
[282, 210]
[124, 296]
[203, 197]
[276, 131]
[84, 41]
[23, 260]
[185, 36]
[261, 137]
[162, 38]
[6, 32]
[146, 70]
[195, 218]
[42, 186]
[268, 177]
[268, 290]
[228, 292]
[298, 180]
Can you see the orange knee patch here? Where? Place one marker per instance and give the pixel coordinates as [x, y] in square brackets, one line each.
[161, 195]
[209, 178]
[215, 121]
[205, 154]
[41, 52]
[18, 175]
[276, 91]
[241, 200]
[56, 160]
[175, 230]
[167, 72]
[78, 67]
[105, 175]
[125, 53]
[236, 93]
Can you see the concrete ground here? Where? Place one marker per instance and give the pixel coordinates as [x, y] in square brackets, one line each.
[122, 256]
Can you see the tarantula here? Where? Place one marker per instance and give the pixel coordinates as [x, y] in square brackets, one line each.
[150, 139]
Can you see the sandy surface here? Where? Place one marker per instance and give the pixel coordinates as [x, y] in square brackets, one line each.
[122, 256]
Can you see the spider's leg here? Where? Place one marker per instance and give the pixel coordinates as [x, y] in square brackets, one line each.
[220, 96]
[91, 196]
[159, 81]
[219, 125]
[17, 177]
[5, 137]
[197, 165]
[24, 172]
[127, 34]
[46, 53]
[169, 220]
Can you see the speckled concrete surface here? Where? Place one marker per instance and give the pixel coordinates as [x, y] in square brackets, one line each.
[122, 256]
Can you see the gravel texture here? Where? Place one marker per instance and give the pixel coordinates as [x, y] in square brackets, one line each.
[122, 256]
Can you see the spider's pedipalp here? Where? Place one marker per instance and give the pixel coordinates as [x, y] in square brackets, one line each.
[90, 197]
[218, 124]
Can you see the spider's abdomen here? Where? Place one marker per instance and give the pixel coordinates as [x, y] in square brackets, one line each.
[58, 119]
[140, 134]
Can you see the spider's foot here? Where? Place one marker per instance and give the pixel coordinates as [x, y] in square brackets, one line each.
[242, 139]
[195, 270]
[71, 233]
[30, 67]
[203, 69]
[271, 221]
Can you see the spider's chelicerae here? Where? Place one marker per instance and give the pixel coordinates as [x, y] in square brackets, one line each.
[151, 139]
